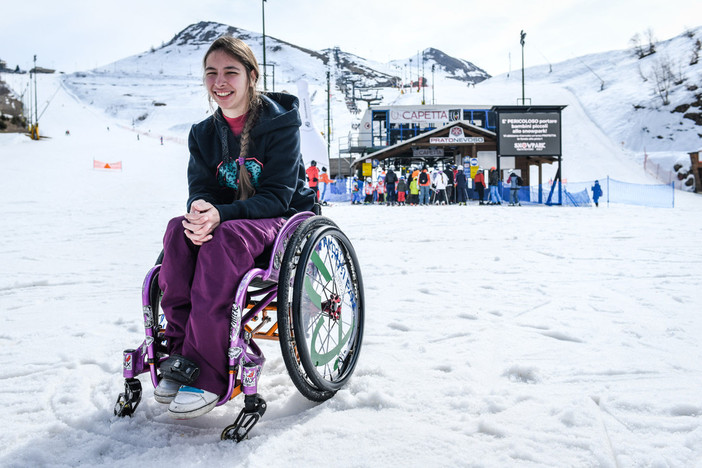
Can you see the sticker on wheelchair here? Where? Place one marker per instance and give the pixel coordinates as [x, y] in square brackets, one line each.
[234, 353]
[147, 342]
[236, 318]
[148, 317]
[249, 376]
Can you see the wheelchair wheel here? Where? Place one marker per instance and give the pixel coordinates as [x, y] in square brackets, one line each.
[158, 319]
[320, 309]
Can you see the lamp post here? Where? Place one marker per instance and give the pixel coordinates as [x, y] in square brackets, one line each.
[522, 35]
[35, 127]
[265, 67]
[263, 19]
[432, 84]
[424, 59]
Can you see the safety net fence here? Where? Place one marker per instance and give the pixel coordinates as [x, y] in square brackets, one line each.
[578, 194]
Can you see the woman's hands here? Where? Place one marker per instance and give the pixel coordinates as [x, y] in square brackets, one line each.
[201, 222]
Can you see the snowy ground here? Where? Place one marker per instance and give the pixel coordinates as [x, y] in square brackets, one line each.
[495, 336]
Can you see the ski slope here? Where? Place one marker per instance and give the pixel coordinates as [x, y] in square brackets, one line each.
[495, 336]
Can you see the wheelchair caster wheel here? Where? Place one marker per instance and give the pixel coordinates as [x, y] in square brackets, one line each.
[128, 401]
[254, 407]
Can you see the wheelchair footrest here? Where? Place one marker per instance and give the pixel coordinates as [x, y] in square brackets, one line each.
[254, 407]
[180, 369]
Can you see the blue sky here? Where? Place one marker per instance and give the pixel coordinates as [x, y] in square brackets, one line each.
[75, 35]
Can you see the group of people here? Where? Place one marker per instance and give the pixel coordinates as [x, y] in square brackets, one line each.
[438, 187]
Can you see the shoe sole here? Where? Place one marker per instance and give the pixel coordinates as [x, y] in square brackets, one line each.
[163, 399]
[194, 413]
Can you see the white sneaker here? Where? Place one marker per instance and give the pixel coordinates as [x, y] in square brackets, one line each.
[192, 402]
[166, 391]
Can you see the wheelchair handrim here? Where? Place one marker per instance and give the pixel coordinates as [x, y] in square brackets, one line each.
[328, 303]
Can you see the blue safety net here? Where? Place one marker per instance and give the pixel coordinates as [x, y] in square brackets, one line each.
[579, 194]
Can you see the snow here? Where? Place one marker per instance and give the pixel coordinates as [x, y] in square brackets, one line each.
[495, 336]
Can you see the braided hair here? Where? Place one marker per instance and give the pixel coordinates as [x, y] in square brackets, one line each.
[240, 51]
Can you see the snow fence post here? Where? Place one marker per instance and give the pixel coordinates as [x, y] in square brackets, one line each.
[607, 191]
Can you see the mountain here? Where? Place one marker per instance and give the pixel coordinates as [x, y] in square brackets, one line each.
[170, 79]
[618, 110]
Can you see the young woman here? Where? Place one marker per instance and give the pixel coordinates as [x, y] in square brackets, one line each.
[245, 177]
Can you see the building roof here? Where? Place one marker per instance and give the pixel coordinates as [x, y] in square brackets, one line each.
[422, 141]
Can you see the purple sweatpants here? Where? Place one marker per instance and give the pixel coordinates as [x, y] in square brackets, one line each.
[199, 283]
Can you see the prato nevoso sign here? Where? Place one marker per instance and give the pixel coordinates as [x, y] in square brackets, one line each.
[455, 136]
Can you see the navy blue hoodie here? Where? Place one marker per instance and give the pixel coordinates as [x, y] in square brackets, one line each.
[274, 162]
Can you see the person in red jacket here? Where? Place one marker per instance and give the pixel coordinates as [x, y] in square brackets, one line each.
[313, 178]
[480, 185]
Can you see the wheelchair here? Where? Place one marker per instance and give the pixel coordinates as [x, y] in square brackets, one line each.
[306, 292]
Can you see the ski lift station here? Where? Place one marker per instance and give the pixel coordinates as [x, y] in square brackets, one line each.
[510, 138]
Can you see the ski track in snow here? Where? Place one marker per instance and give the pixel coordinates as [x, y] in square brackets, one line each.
[494, 336]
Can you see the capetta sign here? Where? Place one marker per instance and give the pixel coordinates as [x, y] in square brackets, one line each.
[455, 135]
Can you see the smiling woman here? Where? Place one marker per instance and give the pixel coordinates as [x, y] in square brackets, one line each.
[245, 176]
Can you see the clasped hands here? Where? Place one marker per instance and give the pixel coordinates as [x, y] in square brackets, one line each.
[201, 221]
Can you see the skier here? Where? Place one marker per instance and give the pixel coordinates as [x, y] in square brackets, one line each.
[356, 191]
[450, 184]
[390, 186]
[324, 179]
[424, 187]
[401, 191]
[380, 188]
[461, 187]
[245, 177]
[596, 192]
[313, 178]
[369, 188]
[480, 185]
[514, 182]
[494, 179]
[441, 182]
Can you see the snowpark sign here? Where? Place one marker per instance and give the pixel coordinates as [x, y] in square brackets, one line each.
[455, 135]
[529, 134]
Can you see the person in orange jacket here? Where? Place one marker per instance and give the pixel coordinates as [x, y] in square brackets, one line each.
[324, 179]
[424, 187]
[313, 178]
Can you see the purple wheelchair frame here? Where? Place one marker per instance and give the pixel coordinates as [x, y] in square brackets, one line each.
[244, 354]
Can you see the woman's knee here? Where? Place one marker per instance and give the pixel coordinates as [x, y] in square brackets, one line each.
[175, 224]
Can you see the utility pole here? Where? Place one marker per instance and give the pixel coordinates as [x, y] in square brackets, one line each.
[432, 83]
[35, 126]
[423, 84]
[329, 121]
[521, 41]
[418, 71]
[263, 19]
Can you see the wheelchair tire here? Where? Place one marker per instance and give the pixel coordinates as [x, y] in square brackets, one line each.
[286, 332]
[158, 319]
[321, 311]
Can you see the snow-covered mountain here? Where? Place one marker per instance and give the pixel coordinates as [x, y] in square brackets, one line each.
[630, 108]
[147, 87]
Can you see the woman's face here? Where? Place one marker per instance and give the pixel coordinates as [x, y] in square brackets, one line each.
[228, 83]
